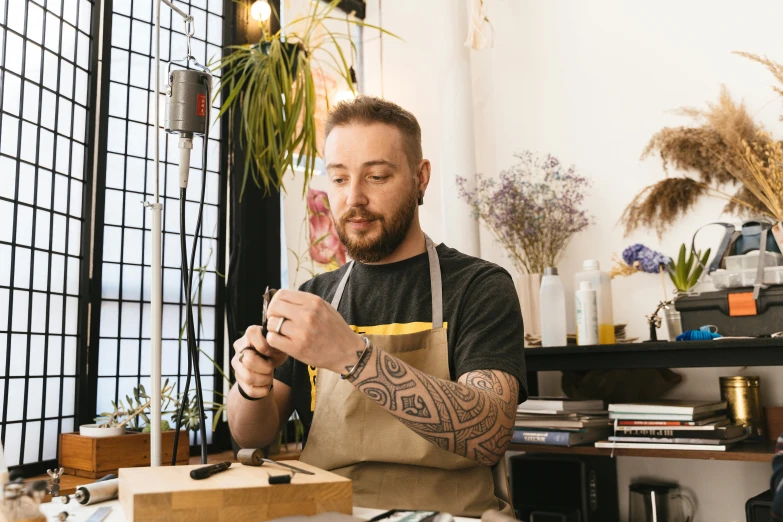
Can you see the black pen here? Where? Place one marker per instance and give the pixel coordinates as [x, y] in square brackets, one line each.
[208, 471]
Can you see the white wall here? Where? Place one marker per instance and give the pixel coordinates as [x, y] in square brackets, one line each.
[429, 76]
[591, 82]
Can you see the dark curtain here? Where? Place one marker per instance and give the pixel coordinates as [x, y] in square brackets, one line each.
[254, 223]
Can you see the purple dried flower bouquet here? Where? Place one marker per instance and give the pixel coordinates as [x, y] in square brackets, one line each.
[533, 209]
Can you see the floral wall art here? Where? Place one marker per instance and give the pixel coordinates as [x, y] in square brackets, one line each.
[311, 241]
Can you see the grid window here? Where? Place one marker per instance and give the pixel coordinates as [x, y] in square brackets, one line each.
[46, 72]
[125, 254]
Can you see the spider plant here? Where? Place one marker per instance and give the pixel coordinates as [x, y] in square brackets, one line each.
[271, 86]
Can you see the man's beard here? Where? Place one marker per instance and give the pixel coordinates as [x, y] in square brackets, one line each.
[393, 232]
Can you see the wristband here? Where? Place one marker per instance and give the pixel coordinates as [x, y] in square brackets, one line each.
[248, 397]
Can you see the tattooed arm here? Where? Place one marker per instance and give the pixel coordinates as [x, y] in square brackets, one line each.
[473, 417]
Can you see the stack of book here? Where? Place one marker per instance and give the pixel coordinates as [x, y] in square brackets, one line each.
[559, 421]
[674, 425]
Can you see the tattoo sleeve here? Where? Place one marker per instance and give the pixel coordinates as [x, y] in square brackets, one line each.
[473, 417]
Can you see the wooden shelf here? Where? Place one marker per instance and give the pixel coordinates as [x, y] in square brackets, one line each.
[684, 354]
[745, 452]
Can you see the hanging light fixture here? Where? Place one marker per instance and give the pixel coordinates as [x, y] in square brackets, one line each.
[260, 10]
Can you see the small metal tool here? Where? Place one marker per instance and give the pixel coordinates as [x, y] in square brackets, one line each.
[100, 514]
[255, 457]
[54, 481]
[105, 488]
[268, 295]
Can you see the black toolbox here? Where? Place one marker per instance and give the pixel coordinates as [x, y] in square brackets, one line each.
[733, 311]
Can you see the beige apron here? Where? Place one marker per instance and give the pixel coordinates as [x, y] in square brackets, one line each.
[390, 465]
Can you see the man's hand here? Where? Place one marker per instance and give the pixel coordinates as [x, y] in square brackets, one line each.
[313, 332]
[254, 373]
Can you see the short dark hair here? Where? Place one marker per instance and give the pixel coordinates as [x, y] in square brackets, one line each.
[368, 110]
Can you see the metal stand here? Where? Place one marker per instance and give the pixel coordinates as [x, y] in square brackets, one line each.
[156, 305]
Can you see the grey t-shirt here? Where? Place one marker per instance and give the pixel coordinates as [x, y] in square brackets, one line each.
[481, 315]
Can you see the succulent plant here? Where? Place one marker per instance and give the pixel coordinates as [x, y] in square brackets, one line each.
[685, 273]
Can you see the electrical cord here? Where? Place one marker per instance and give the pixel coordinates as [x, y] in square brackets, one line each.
[187, 281]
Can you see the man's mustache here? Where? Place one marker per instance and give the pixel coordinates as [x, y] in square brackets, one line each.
[358, 213]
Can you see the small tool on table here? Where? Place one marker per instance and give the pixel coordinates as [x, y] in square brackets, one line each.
[100, 514]
[105, 488]
[208, 471]
[255, 457]
[54, 481]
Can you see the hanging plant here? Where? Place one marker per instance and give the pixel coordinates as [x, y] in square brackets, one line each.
[271, 86]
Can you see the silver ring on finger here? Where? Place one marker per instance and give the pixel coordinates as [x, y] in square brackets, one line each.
[280, 325]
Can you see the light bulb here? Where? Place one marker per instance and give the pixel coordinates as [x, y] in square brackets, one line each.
[260, 10]
[343, 95]
[348, 94]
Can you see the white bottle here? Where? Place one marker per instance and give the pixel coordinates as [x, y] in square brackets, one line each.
[586, 314]
[601, 282]
[553, 309]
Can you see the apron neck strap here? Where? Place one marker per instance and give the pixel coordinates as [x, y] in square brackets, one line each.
[435, 284]
[341, 287]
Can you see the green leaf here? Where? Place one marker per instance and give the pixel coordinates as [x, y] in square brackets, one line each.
[681, 256]
[698, 271]
[680, 271]
[216, 418]
[689, 264]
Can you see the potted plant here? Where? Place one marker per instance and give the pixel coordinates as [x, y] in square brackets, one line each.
[120, 439]
[272, 86]
[130, 417]
[533, 210]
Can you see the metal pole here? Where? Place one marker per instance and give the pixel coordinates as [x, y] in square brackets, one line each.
[156, 306]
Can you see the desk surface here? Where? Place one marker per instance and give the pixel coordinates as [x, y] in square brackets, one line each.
[81, 513]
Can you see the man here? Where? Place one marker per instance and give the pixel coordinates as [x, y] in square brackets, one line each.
[408, 381]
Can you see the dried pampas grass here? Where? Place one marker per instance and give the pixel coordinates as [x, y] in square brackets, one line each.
[661, 205]
[727, 152]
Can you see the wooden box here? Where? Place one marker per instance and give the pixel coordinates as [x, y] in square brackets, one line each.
[238, 494]
[94, 457]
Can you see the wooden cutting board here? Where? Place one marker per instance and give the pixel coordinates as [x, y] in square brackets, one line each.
[239, 494]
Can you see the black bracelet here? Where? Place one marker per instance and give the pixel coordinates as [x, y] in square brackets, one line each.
[248, 397]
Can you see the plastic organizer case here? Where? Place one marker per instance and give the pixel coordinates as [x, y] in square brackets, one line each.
[751, 260]
[741, 270]
[722, 279]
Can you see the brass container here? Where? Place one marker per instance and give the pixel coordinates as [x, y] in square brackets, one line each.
[744, 403]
